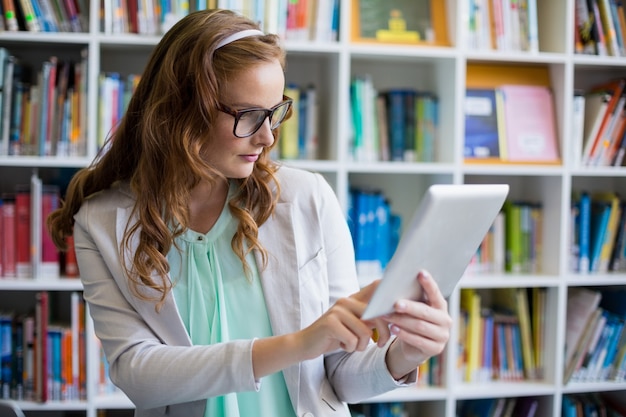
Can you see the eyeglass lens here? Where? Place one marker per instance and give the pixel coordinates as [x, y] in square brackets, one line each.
[250, 121]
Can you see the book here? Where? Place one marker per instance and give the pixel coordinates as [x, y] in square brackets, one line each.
[531, 134]
[481, 125]
[6, 354]
[617, 254]
[578, 126]
[289, 129]
[584, 232]
[50, 266]
[9, 64]
[613, 200]
[396, 122]
[471, 303]
[600, 217]
[604, 141]
[581, 303]
[609, 27]
[598, 113]
[42, 315]
[8, 255]
[515, 301]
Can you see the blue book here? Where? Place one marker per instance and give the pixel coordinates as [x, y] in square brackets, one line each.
[396, 123]
[410, 126]
[478, 408]
[481, 124]
[381, 250]
[302, 125]
[584, 231]
[6, 355]
[612, 348]
[568, 407]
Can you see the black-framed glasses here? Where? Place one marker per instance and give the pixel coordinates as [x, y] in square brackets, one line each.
[248, 121]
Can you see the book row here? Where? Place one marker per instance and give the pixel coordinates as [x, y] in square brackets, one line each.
[392, 125]
[26, 248]
[502, 25]
[292, 20]
[502, 334]
[499, 407]
[375, 231]
[599, 124]
[513, 242]
[595, 347]
[298, 135]
[597, 230]
[600, 27]
[43, 112]
[44, 15]
[592, 404]
[43, 358]
[510, 123]
[391, 409]
[114, 93]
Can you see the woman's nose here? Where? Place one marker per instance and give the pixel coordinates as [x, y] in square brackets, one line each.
[264, 136]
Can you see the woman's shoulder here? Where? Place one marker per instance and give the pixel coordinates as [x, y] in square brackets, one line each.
[296, 183]
[118, 195]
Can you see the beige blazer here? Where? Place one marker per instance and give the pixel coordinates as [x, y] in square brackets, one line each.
[311, 265]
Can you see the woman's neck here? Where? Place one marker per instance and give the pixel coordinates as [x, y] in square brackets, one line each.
[206, 204]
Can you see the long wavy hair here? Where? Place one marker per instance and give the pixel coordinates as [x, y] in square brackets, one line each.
[159, 144]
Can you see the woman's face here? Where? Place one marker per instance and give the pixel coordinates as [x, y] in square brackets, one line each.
[261, 86]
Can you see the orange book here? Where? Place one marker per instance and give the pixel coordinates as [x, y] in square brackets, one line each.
[10, 15]
[615, 88]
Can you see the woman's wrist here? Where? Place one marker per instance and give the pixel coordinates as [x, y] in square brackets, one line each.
[397, 363]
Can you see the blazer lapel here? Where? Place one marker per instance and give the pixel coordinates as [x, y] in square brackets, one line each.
[281, 284]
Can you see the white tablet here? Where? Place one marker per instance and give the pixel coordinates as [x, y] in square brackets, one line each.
[445, 232]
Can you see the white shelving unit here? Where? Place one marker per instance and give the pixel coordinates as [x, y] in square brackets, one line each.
[441, 70]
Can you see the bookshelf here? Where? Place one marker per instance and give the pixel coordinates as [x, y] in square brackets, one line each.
[330, 66]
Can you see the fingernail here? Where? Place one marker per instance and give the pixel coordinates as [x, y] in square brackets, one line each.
[400, 306]
[394, 329]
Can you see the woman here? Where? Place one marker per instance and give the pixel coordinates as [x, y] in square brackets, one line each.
[219, 283]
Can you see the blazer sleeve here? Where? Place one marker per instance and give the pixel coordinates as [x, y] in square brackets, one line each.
[142, 347]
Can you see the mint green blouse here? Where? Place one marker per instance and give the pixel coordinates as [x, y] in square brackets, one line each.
[217, 304]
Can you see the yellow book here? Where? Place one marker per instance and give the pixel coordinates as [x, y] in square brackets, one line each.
[471, 301]
[290, 128]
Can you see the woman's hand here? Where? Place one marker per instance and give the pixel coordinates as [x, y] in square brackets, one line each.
[422, 328]
[340, 327]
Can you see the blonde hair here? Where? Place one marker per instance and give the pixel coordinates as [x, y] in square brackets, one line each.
[158, 146]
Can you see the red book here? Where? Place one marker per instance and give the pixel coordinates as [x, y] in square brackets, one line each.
[24, 265]
[71, 266]
[50, 266]
[7, 254]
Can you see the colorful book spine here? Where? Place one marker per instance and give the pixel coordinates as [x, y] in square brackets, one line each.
[584, 233]
[8, 252]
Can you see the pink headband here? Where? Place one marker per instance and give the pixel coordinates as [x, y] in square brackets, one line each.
[238, 35]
